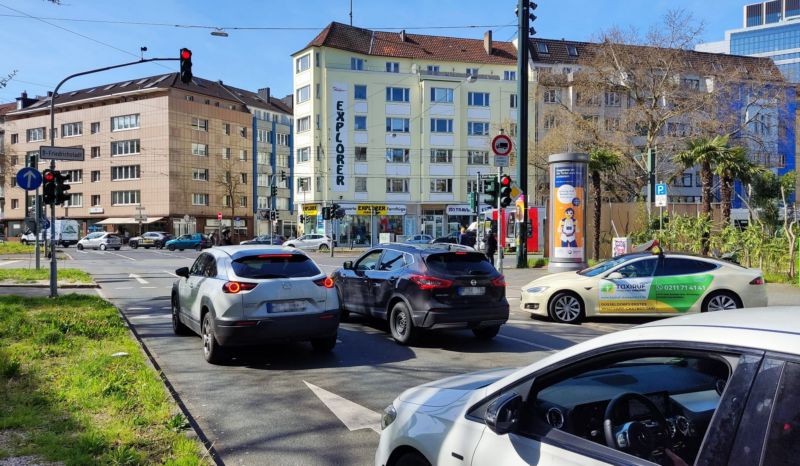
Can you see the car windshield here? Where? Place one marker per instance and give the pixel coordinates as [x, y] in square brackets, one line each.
[275, 266]
[460, 263]
[597, 269]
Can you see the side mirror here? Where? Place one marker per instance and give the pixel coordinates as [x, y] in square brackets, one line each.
[614, 276]
[348, 265]
[182, 272]
[502, 415]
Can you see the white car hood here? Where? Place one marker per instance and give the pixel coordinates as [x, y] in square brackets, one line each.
[564, 277]
[447, 391]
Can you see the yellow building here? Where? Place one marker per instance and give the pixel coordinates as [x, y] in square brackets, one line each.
[395, 128]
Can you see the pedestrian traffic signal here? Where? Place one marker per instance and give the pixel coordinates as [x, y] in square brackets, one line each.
[273, 215]
[302, 219]
[283, 175]
[505, 191]
[326, 213]
[62, 187]
[273, 191]
[49, 187]
[491, 189]
[186, 66]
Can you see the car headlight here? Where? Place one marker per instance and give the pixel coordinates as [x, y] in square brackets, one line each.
[389, 415]
[537, 289]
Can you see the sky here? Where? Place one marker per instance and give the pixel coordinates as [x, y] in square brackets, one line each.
[45, 42]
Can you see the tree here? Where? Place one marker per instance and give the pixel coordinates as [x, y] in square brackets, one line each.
[601, 161]
[733, 165]
[230, 182]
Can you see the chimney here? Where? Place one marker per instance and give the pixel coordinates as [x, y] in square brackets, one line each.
[403, 35]
[264, 94]
[487, 42]
[24, 102]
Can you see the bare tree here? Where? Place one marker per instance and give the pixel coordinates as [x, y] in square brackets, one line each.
[229, 180]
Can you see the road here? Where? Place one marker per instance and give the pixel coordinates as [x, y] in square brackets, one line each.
[286, 405]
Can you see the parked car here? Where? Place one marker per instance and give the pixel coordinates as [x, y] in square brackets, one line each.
[452, 238]
[712, 389]
[67, 233]
[315, 242]
[275, 240]
[419, 239]
[645, 284]
[151, 239]
[100, 240]
[425, 286]
[248, 295]
[195, 241]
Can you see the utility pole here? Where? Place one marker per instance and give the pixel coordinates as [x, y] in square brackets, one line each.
[524, 31]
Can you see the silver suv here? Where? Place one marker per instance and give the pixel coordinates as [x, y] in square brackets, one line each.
[100, 240]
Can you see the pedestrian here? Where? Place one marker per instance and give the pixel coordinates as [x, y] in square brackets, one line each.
[226, 238]
[463, 238]
[491, 245]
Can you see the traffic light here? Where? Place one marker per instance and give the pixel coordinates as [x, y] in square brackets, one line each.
[49, 187]
[326, 213]
[62, 187]
[336, 211]
[491, 189]
[529, 7]
[273, 215]
[273, 191]
[186, 66]
[33, 161]
[473, 201]
[505, 191]
[302, 219]
[283, 175]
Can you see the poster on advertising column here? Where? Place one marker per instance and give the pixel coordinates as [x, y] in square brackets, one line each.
[569, 223]
[340, 115]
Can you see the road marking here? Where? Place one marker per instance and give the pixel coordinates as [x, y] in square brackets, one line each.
[139, 279]
[170, 273]
[124, 288]
[138, 309]
[120, 255]
[353, 415]
[149, 287]
[3, 264]
[150, 316]
[525, 342]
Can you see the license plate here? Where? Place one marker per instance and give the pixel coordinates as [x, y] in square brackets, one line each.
[471, 291]
[291, 306]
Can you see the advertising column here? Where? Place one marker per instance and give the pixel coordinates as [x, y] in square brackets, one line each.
[568, 178]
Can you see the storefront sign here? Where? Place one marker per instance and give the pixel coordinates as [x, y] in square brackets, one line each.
[373, 209]
[310, 209]
[95, 210]
[461, 209]
[339, 148]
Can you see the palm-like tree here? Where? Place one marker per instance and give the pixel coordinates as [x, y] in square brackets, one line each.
[734, 165]
[600, 161]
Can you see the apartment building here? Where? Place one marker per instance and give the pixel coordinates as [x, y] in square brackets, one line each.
[395, 128]
[159, 155]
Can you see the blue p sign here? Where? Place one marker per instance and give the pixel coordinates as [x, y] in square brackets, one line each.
[661, 189]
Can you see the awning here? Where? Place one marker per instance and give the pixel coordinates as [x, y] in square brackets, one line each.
[126, 220]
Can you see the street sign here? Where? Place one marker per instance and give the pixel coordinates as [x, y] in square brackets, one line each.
[219, 215]
[501, 145]
[45, 224]
[140, 218]
[661, 195]
[74, 154]
[501, 161]
[29, 178]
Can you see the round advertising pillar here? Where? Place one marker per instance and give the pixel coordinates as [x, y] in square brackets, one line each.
[568, 180]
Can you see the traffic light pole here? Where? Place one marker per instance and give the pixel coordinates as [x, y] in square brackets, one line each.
[501, 237]
[524, 7]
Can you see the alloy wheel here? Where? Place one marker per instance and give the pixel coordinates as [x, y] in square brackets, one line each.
[567, 308]
[721, 302]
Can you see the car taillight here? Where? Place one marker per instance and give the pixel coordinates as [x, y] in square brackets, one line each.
[757, 281]
[425, 282]
[235, 287]
[327, 282]
[499, 281]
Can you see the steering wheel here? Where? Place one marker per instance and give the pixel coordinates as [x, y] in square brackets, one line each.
[641, 438]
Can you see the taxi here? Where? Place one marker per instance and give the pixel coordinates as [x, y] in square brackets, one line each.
[645, 284]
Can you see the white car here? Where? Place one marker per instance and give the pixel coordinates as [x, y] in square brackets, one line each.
[100, 240]
[314, 242]
[254, 294]
[712, 389]
[645, 284]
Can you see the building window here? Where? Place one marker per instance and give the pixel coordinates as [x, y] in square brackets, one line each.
[199, 198]
[550, 122]
[226, 153]
[319, 184]
[75, 176]
[442, 185]
[199, 124]
[200, 174]
[282, 139]
[441, 125]
[510, 75]
[392, 67]
[477, 128]
[303, 154]
[242, 155]
[123, 122]
[513, 101]
[243, 131]
[360, 123]
[95, 200]
[396, 185]
[95, 127]
[226, 201]
[319, 153]
[94, 152]
[397, 94]
[128, 147]
[303, 94]
[541, 47]
[478, 99]
[690, 83]
[34, 134]
[477, 157]
[71, 129]
[243, 201]
[397, 155]
[552, 96]
[591, 101]
[243, 178]
[262, 157]
[318, 90]
[357, 64]
[361, 154]
[361, 184]
[572, 50]
[441, 155]
[303, 63]
[318, 121]
[189, 98]
[200, 149]
[75, 200]
[303, 124]
[263, 135]
[441, 95]
[397, 125]
[612, 124]
[227, 128]
[472, 72]
[15, 203]
[613, 99]
[303, 185]
[131, 197]
[433, 69]
[95, 176]
[127, 172]
[359, 92]
[14, 138]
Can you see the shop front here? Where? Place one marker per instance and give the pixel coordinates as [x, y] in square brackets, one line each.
[366, 224]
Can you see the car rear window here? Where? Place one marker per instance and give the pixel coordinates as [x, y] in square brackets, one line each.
[275, 266]
[460, 263]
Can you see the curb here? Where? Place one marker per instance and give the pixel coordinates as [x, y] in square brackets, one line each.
[47, 285]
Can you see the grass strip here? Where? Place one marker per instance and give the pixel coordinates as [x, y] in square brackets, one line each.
[34, 275]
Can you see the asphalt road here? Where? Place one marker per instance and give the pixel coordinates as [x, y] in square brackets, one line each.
[286, 405]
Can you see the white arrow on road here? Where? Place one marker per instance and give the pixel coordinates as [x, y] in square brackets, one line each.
[139, 279]
[353, 415]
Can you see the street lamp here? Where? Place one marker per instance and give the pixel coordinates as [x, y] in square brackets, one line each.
[219, 33]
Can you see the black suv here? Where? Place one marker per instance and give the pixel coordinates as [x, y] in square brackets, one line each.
[424, 286]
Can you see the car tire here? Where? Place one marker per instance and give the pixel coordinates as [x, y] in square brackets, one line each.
[181, 249]
[24, 242]
[171, 247]
[566, 308]
[133, 245]
[103, 247]
[720, 301]
[412, 458]
[178, 327]
[324, 248]
[80, 247]
[212, 351]
[147, 247]
[117, 249]
[401, 325]
[324, 345]
[486, 333]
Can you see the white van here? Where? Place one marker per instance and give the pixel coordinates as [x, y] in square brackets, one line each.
[67, 234]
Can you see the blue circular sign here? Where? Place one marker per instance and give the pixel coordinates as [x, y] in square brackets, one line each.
[29, 178]
[45, 224]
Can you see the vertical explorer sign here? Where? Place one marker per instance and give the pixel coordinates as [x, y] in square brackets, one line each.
[339, 149]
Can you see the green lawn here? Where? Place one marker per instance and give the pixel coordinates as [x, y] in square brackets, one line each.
[65, 396]
[33, 275]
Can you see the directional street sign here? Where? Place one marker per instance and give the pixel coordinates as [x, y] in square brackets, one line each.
[45, 224]
[29, 178]
[661, 195]
[75, 154]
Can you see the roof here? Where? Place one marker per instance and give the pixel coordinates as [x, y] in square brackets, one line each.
[403, 45]
[9, 107]
[778, 319]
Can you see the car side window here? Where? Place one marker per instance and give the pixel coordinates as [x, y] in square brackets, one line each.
[640, 269]
[683, 266]
[783, 440]
[370, 261]
[200, 265]
[392, 260]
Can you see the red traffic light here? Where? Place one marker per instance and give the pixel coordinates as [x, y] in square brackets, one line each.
[48, 176]
[186, 54]
[505, 181]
